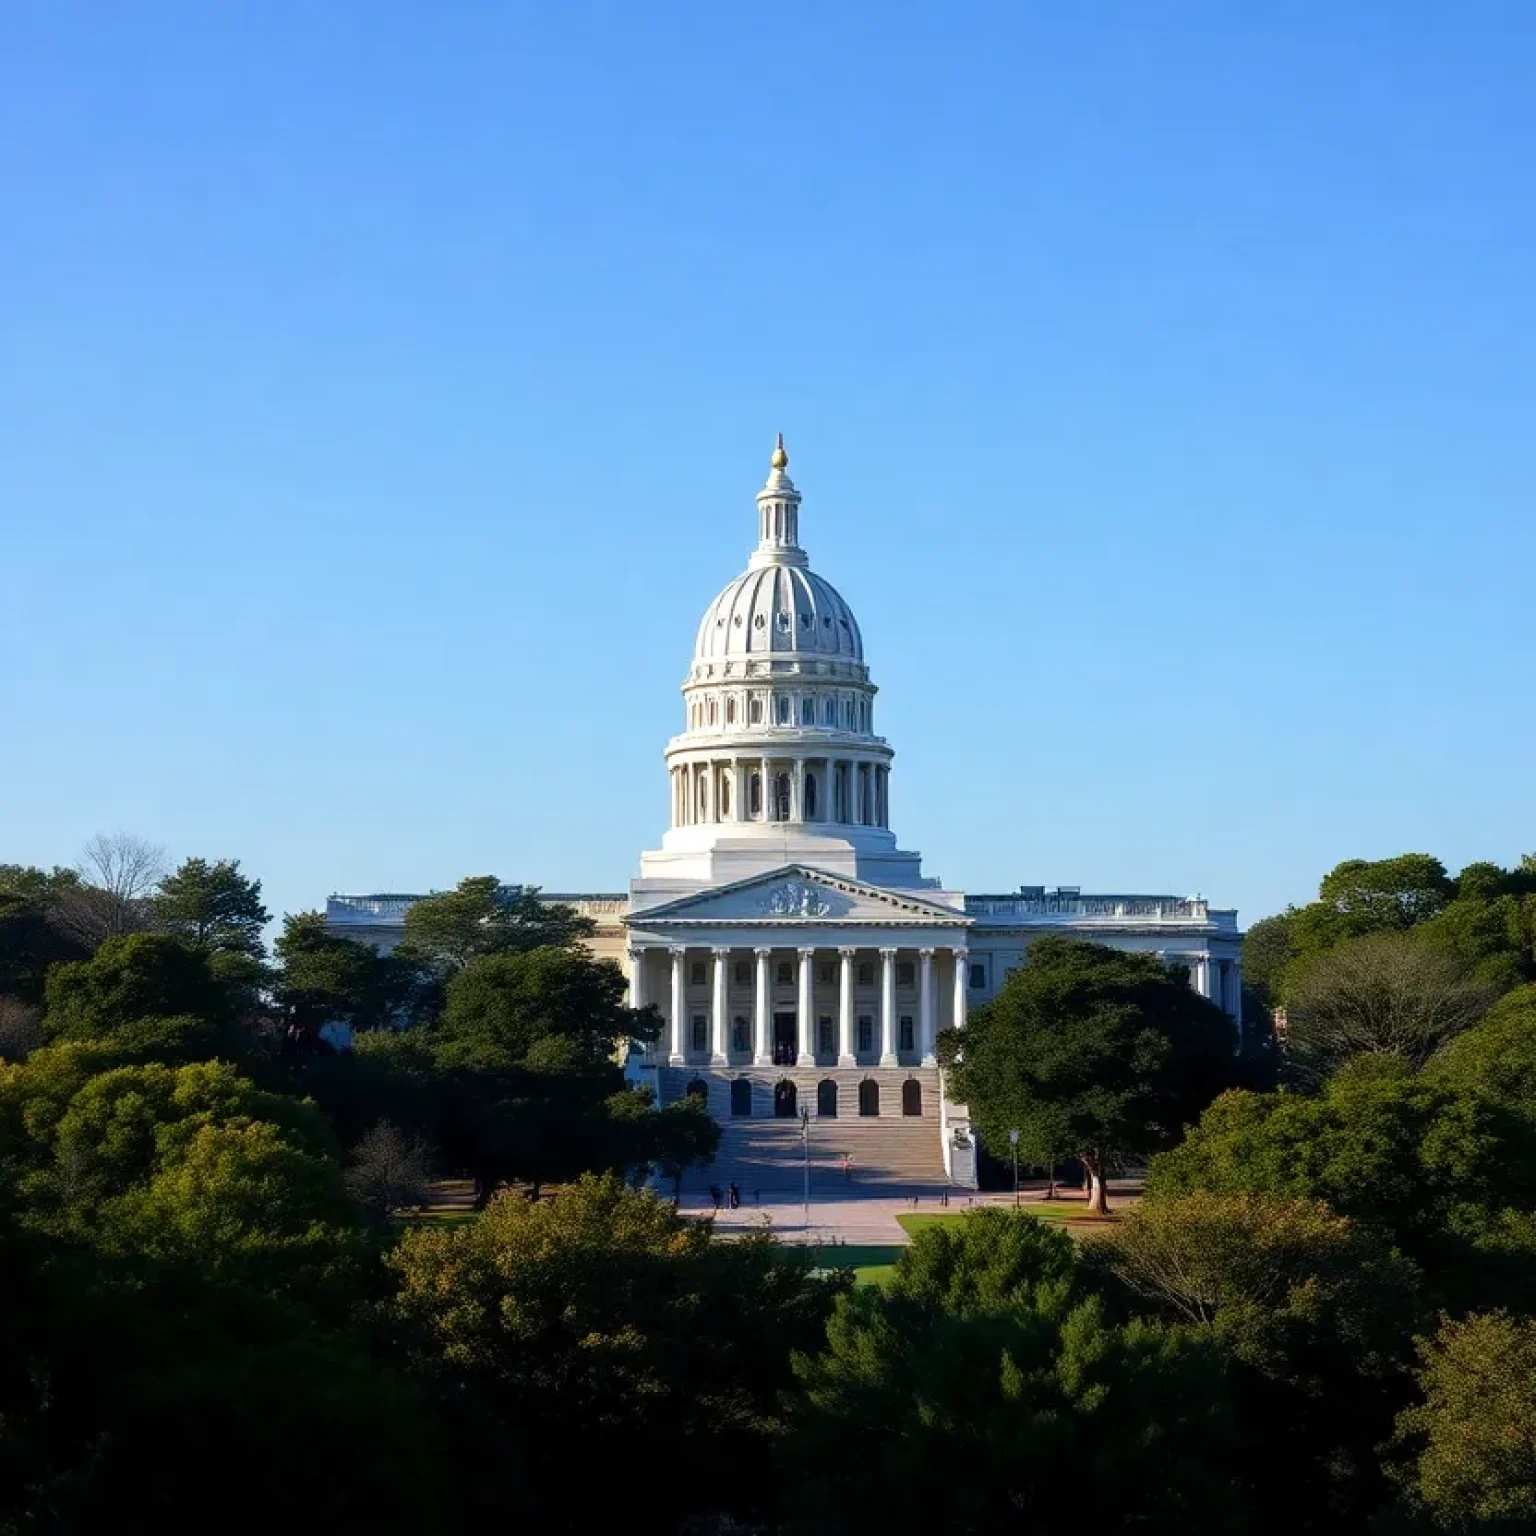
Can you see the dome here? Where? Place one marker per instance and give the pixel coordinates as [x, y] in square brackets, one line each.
[779, 610]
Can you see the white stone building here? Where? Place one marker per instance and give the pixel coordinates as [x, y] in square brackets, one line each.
[791, 946]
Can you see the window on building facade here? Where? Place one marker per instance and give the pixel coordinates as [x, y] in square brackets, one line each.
[696, 973]
[755, 794]
[755, 711]
[908, 1037]
[824, 972]
[824, 1036]
[783, 712]
[700, 1032]
[905, 973]
[786, 973]
[810, 796]
[781, 797]
[866, 974]
[978, 977]
[740, 1039]
[741, 973]
[730, 711]
[866, 1033]
[725, 798]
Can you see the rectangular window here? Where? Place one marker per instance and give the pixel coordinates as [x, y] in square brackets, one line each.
[905, 974]
[786, 974]
[908, 1035]
[697, 973]
[739, 1038]
[824, 1036]
[742, 971]
[866, 975]
[866, 1033]
[978, 977]
[700, 1032]
[824, 974]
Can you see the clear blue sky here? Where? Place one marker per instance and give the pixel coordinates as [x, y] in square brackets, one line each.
[384, 389]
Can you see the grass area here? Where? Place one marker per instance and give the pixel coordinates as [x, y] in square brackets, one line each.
[1064, 1212]
[436, 1218]
[871, 1263]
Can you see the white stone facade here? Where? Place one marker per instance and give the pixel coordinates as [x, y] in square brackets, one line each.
[778, 924]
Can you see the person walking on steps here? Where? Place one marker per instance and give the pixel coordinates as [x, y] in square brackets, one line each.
[734, 1194]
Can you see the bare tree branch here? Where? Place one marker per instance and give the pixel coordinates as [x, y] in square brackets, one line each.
[118, 875]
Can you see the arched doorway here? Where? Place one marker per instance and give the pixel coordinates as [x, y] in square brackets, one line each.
[826, 1098]
[741, 1096]
[869, 1097]
[784, 1099]
[699, 1089]
[911, 1097]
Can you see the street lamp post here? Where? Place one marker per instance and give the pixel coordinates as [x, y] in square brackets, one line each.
[1013, 1141]
[805, 1143]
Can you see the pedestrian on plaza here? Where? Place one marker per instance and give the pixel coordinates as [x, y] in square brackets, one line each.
[734, 1193]
[717, 1195]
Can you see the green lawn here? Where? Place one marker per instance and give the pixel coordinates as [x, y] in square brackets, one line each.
[871, 1263]
[1067, 1212]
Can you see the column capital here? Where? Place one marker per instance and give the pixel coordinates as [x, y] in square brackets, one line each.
[805, 950]
[848, 951]
[762, 950]
[677, 951]
[720, 951]
[927, 954]
[959, 951]
[887, 949]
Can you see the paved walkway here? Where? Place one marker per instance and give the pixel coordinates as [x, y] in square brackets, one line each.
[865, 1218]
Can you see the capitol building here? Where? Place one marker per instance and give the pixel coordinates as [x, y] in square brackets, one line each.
[800, 958]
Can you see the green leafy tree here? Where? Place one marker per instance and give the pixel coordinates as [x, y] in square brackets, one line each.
[548, 1006]
[30, 938]
[987, 1390]
[323, 977]
[1269, 947]
[680, 1136]
[1448, 1177]
[1388, 994]
[1496, 1060]
[480, 917]
[1315, 1314]
[129, 979]
[1473, 1437]
[599, 1328]
[1104, 1054]
[212, 906]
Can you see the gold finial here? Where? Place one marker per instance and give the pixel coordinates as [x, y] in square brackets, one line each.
[780, 459]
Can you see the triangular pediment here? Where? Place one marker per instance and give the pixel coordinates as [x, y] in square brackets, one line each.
[797, 893]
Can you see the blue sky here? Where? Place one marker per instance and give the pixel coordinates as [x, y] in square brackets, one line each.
[384, 389]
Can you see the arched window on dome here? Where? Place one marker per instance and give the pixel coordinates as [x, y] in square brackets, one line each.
[829, 712]
[782, 713]
[808, 712]
[810, 797]
[703, 798]
[755, 795]
[781, 797]
[725, 797]
[712, 708]
[730, 710]
[755, 710]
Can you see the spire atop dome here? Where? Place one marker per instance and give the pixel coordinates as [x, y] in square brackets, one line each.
[778, 515]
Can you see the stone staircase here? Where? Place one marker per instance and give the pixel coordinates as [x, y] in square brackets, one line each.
[890, 1153]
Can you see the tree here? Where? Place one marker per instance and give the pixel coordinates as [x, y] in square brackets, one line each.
[1387, 994]
[1315, 1314]
[986, 1390]
[324, 978]
[117, 875]
[1496, 1059]
[1473, 1438]
[212, 907]
[1100, 1052]
[598, 1327]
[672, 1140]
[21, 1028]
[548, 1006]
[389, 1170]
[140, 976]
[31, 938]
[480, 917]
[1448, 1177]
[1268, 948]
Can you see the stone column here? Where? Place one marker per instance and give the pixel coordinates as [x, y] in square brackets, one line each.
[962, 983]
[806, 1022]
[679, 1008]
[845, 1056]
[887, 1007]
[718, 1023]
[925, 1029]
[767, 795]
[738, 791]
[855, 795]
[763, 1053]
[1236, 970]
[637, 997]
[1200, 975]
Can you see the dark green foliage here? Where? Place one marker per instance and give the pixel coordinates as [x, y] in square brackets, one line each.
[30, 939]
[212, 907]
[481, 916]
[1447, 1176]
[986, 1390]
[598, 1330]
[1092, 1052]
[1497, 1059]
[324, 978]
[129, 979]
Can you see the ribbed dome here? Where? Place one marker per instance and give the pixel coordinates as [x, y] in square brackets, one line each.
[779, 610]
